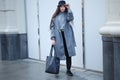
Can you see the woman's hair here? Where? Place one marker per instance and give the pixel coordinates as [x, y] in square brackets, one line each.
[56, 13]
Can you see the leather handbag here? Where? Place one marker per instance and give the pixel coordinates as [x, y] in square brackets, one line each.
[52, 62]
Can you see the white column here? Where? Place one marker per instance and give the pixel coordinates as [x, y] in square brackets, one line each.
[12, 16]
[112, 24]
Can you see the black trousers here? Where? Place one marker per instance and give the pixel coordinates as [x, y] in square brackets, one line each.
[68, 58]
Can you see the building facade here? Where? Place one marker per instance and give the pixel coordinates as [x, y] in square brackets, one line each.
[24, 30]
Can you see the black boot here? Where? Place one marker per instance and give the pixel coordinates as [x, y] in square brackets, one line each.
[68, 62]
[69, 73]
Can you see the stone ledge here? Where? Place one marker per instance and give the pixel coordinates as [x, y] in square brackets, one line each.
[110, 31]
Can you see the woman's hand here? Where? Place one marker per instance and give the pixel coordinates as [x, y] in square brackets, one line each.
[67, 6]
[53, 42]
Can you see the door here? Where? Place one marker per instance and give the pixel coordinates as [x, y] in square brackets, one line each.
[39, 13]
[46, 11]
[94, 20]
[32, 29]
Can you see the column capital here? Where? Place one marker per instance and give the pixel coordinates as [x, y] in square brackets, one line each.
[112, 25]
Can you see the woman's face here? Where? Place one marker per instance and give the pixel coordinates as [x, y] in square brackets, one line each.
[62, 8]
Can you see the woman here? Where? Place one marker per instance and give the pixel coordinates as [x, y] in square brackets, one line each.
[62, 34]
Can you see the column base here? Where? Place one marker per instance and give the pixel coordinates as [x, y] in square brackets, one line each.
[111, 58]
[13, 46]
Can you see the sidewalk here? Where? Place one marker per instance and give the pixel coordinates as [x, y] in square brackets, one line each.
[34, 70]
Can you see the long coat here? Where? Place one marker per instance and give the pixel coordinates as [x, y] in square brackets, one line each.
[69, 37]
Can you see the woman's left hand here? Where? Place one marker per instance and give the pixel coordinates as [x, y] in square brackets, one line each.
[67, 6]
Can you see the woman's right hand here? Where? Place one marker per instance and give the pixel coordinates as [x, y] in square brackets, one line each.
[53, 42]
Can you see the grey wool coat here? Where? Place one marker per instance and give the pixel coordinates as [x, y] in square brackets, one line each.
[69, 36]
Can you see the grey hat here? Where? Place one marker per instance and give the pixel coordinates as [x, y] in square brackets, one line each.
[61, 3]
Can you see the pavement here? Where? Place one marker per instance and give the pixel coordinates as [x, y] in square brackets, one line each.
[35, 70]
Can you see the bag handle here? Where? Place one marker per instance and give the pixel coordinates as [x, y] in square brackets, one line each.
[51, 50]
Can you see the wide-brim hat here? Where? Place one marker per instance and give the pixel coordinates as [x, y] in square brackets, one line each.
[61, 3]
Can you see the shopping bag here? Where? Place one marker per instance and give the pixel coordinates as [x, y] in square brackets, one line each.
[52, 62]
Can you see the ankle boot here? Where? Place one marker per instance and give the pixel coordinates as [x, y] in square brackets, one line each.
[69, 73]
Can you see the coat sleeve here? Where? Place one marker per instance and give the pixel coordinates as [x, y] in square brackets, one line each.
[70, 16]
[52, 30]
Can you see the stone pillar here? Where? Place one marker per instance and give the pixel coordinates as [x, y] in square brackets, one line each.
[116, 42]
[0, 49]
[13, 33]
[13, 46]
[108, 58]
[111, 41]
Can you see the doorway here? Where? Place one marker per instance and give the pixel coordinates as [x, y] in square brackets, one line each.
[39, 13]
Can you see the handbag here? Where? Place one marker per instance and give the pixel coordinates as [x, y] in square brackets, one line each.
[52, 62]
